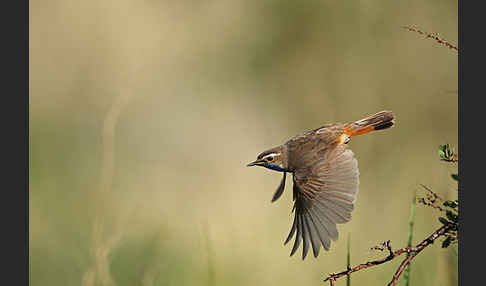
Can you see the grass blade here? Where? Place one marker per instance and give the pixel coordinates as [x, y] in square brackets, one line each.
[348, 261]
[406, 274]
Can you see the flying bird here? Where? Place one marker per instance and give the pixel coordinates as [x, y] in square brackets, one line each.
[325, 178]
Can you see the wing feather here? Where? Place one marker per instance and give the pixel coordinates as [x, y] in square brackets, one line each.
[305, 234]
[280, 188]
[323, 232]
[292, 231]
[298, 237]
[324, 196]
[327, 221]
[314, 234]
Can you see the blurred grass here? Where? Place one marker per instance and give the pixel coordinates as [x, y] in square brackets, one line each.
[406, 273]
[212, 84]
[348, 261]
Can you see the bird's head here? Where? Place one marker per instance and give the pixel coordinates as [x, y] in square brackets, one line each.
[273, 159]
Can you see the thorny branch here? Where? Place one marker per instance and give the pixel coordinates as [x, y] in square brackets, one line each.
[431, 199]
[411, 251]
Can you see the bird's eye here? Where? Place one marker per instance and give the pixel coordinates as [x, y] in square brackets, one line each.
[270, 158]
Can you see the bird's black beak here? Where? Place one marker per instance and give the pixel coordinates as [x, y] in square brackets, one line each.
[256, 163]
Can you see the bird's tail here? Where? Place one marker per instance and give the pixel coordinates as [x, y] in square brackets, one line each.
[378, 121]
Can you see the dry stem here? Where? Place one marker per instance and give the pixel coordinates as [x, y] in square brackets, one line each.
[433, 36]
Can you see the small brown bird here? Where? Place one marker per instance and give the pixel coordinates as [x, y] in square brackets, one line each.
[325, 176]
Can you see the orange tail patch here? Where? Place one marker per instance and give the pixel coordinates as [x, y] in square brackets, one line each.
[350, 131]
[378, 121]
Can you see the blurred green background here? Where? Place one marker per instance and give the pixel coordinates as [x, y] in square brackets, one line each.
[144, 114]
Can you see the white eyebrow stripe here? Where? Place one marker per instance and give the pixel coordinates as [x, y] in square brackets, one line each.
[273, 155]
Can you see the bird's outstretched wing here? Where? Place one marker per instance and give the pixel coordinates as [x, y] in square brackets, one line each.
[324, 196]
[278, 193]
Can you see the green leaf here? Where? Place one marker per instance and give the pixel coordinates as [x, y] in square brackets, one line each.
[442, 149]
[446, 242]
[455, 177]
[443, 221]
[451, 216]
[450, 204]
[447, 153]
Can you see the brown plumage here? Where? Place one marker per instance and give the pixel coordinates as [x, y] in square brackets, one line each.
[325, 178]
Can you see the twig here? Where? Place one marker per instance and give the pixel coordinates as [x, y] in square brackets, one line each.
[429, 240]
[431, 199]
[402, 267]
[412, 251]
[432, 36]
